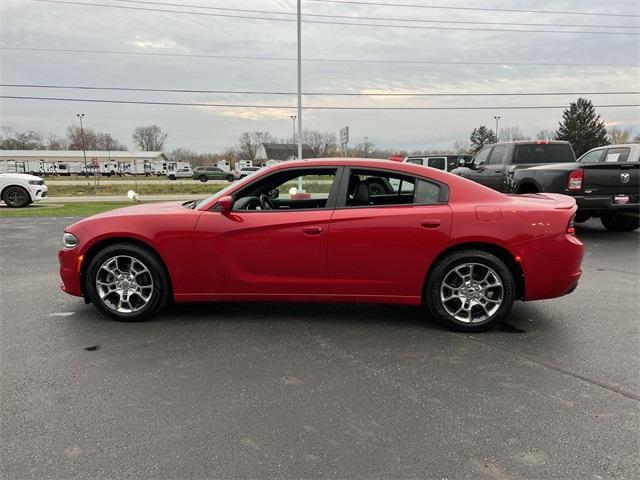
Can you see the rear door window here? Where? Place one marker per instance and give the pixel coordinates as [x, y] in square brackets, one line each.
[592, 157]
[616, 155]
[437, 162]
[417, 161]
[535, 153]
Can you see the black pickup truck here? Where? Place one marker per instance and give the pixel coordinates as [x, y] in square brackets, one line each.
[604, 181]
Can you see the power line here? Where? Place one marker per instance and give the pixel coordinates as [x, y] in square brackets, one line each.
[327, 22]
[320, 94]
[350, 17]
[292, 107]
[479, 9]
[321, 60]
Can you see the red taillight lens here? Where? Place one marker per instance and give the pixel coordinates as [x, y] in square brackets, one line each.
[571, 228]
[574, 182]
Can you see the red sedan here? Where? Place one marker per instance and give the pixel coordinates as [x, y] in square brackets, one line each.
[338, 230]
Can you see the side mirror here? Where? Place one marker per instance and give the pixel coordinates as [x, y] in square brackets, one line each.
[462, 162]
[225, 203]
[273, 194]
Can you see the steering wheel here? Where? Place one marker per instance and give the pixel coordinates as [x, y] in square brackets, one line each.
[265, 202]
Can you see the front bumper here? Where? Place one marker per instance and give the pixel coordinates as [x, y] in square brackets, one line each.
[552, 266]
[70, 271]
[38, 192]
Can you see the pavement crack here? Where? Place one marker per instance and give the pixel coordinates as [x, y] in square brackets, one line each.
[564, 371]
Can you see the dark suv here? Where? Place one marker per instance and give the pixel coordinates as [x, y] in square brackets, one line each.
[211, 173]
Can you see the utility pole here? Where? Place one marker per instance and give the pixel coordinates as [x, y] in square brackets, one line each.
[300, 79]
[366, 147]
[497, 119]
[293, 118]
[84, 151]
[108, 135]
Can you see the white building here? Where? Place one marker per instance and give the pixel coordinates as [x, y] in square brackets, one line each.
[71, 162]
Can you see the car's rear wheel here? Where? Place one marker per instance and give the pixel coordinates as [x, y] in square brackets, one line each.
[126, 282]
[172, 177]
[203, 178]
[16, 197]
[470, 290]
[230, 178]
[620, 222]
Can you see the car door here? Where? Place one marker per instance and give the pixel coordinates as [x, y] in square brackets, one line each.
[477, 167]
[279, 253]
[382, 246]
[493, 175]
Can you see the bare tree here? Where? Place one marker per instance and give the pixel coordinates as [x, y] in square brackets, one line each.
[323, 144]
[30, 140]
[56, 142]
[92, 140]
[150, 138]
[249, 142]
[619, 135]
[511, 134]
[545, 134]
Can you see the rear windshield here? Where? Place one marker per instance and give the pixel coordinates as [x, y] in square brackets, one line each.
[536, 153]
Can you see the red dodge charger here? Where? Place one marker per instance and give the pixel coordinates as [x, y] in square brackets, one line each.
[338, 230]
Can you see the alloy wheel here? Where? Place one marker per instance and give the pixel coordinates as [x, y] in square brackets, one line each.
[471, 292]
[124, 284]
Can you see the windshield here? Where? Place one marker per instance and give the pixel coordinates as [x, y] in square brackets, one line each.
[224, 191]
[543, 153]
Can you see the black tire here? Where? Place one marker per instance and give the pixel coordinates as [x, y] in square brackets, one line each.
[172, 177]
[16, 197]
[620, 222]
[160, 294]
[230, 178]
[203, 178]
[486, 261]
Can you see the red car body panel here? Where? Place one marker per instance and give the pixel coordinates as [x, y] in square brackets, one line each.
[365, 254]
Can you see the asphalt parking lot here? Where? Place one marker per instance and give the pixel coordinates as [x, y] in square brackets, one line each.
[317, 391]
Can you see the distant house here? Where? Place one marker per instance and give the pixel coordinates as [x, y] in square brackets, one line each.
[282, 151]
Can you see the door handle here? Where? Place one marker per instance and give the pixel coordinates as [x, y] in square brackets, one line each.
[312, 230]
[430, 223]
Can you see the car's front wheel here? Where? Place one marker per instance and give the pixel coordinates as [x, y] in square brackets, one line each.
[620, 222]
[16, 197]
[127, 282]
[470, 290]
[203, 178]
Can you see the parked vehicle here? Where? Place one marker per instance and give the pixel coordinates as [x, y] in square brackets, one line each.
[494, 165]
[212, 173]
[605, 182]
[444, 162]
[371, 231]
[185, 172]
[20, 189]
[245, 172]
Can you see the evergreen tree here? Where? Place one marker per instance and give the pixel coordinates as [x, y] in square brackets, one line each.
[480, 137]
[582, 127]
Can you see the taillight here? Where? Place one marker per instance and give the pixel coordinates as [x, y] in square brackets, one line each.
[574, 182]
[571, 228]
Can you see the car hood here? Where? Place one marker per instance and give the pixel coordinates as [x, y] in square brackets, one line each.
[142, 209]
[20, 176]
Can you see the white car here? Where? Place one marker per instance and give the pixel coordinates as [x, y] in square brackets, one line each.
[20, 189]
[180, 173]
[245, 172]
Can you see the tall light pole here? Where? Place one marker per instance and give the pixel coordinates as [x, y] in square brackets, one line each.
[366, 147]
[84, 151]
[497, 119]
[293, 119]
[108, 135]
[300, 79]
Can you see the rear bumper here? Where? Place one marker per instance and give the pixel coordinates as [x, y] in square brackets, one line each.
[70, 271]
[595, 204]
[552, 266]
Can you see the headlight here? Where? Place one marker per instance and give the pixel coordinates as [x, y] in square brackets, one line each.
[69, 240]
[34, 182]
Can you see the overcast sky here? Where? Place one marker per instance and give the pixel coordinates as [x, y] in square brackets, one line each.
[32, 24]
